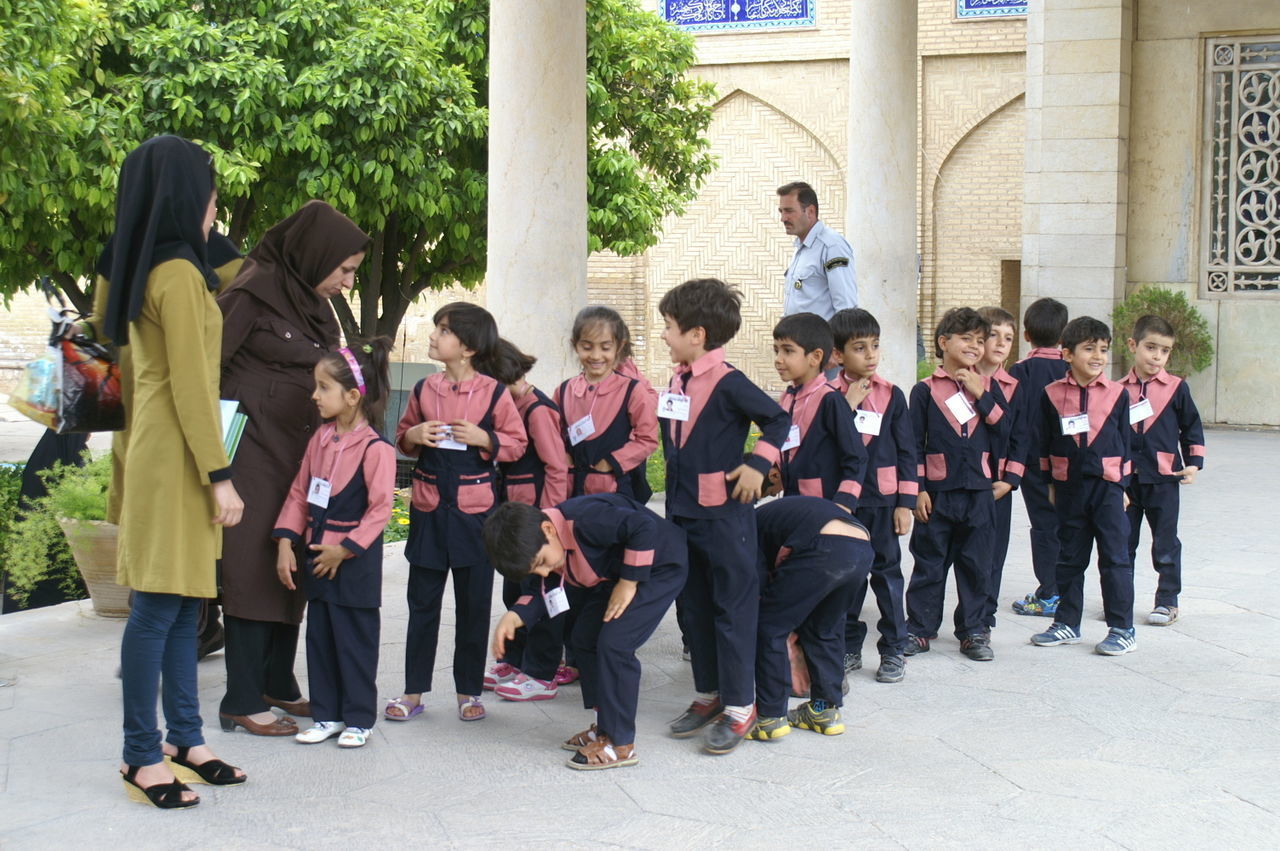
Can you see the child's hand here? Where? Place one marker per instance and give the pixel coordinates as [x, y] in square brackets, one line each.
[901, 521]
[971, 381]
[1188, 475]
[1053, 497]
[471, 434]
[328, 557]
[774, 482]
[1127, 501]
[623, 593]
[286, 564]
[504, 632]
[425, 434]
[602, 466]
[924, 506]
[858, 390]
[1000, 489]
[749, 481]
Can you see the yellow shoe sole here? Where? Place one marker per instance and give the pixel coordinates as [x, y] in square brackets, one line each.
[759, 735]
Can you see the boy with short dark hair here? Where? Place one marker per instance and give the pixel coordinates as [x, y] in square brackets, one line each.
[1084, 439]
[958, 417]
[1042, 326]
[1168, 451]
[814, 555]
[889, 488]
[704, 429]
[628, 565]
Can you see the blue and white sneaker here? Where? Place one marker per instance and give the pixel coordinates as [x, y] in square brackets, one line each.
[1057, 633]
[1118, 642]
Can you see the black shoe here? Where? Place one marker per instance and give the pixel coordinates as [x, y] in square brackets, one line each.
[697, 716]
[977, 647]
[915, 645]
[892, 669]
[852, 662]
[726, 733]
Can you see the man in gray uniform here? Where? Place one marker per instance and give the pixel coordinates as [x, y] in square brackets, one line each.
[820, 278]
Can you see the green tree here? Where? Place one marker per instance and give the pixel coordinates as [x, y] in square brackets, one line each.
[377, 106]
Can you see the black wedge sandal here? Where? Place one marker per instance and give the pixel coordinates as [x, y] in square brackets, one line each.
[166, 796]
[214, 772]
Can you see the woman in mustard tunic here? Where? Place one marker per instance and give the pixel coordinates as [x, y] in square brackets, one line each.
[175, 489]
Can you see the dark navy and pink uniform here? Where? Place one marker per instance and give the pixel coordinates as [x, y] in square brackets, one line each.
[623, 413]
[343, 625]
[454, 491]
[1089, 472]
[957, 463]
[1162, 444]
[890, 483]
[1040, 368]
[1011, 468]
[607, 538]
[722, 597]
[830, 460]
[809, 580]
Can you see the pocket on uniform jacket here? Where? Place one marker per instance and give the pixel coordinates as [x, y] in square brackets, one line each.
[935, 466]
[521, 492]
[475, 494]
[598, 482]
[712, 490]
[426, 496]
[1164, 463]
[1058, 465]
[887, 480]
[810, 487]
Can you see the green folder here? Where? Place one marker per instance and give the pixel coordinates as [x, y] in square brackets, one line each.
[233, 423]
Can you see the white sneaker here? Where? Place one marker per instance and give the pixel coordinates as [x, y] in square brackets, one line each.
[353, 737]
[525, 687]
[499, 673]
[320, 731]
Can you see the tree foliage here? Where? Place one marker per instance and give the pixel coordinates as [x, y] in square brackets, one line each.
[376, 106]
[1192, 341]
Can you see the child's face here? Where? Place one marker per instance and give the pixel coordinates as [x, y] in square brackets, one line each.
[999, 344]
[1088, 359]
[597, 351]
[550, 558]
[686, 346]
[860, 357]
[791, 362]
[330, 397]
[963, 350]
[443, 345]
[1151, 354]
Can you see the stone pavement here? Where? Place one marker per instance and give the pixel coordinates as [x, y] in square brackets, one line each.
[1172, 746]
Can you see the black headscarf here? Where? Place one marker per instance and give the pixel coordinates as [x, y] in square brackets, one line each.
[164, 190]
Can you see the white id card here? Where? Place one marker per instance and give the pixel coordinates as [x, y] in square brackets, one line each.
[1079, 424]
[867, 422]
[961, 409]
[446, 441]
[1139, 411]
[318, 492]
[557, 602]
[581, 430]
[793, 438]
[673, 406]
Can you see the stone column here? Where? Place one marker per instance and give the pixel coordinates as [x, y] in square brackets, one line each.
[1076, 186]
[881, 214]
[537, 263]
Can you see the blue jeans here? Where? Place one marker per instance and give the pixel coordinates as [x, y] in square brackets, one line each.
[158, 654]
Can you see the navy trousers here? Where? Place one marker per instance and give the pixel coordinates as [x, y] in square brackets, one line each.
[886, 584]
[959, 533]
[721, 603]
[606, 652]
[1089, 510]
[808, 594]
[158, 657]
[999, 551]
[1044, 530]
[473, 597]
[535, 650]
[342, 663]
[1159, 501]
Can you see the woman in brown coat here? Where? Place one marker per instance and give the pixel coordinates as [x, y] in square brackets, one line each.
[277, 323]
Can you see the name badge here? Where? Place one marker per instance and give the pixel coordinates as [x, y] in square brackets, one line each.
[1140, 410]
[793, 438]
[446, 441]
[318, 492]
[867, 422]
[961, 409]
[673, 406]
[1079, 424]
[581, 430]
[557, 601]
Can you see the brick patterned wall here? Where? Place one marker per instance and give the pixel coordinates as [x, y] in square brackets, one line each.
[827, 39]
[941, 32]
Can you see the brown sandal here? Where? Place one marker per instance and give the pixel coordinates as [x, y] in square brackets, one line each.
[602, 754]
[578, 741]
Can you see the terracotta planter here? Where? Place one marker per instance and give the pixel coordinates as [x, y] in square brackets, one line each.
[93, 545]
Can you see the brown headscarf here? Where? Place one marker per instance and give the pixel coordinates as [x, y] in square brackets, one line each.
[293, 257]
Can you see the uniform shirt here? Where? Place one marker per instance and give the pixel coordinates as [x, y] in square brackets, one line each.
[820, 278]
[546, 451]
[606, 537]
[603, 400]
[794, 523]
[955, 455]
[830, 460]
[891, 478]
[1041, 367]
[1174, 424]
[1011, 464]
[1102, 453]
[700, 451]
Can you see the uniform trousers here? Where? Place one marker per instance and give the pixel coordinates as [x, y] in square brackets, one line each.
[808, 594]
[999, 552]
[959, 533]
[886, 584]
[1044, 531]
[1088, 510]
[473, 596]
[259, 657]
[1159, 501]
[342, 663]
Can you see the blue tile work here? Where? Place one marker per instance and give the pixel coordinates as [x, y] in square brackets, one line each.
[728, 15]
[990, 8]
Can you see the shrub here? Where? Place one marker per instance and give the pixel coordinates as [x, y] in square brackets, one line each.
[1193, 344]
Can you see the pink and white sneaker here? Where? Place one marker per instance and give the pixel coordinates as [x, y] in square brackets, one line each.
[499, 673]
[566, 675]
[525, 687]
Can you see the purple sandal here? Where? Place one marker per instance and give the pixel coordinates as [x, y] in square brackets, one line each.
[410, 712]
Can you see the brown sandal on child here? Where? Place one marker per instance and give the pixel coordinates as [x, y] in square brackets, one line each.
[578, 741]
[602, 754]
